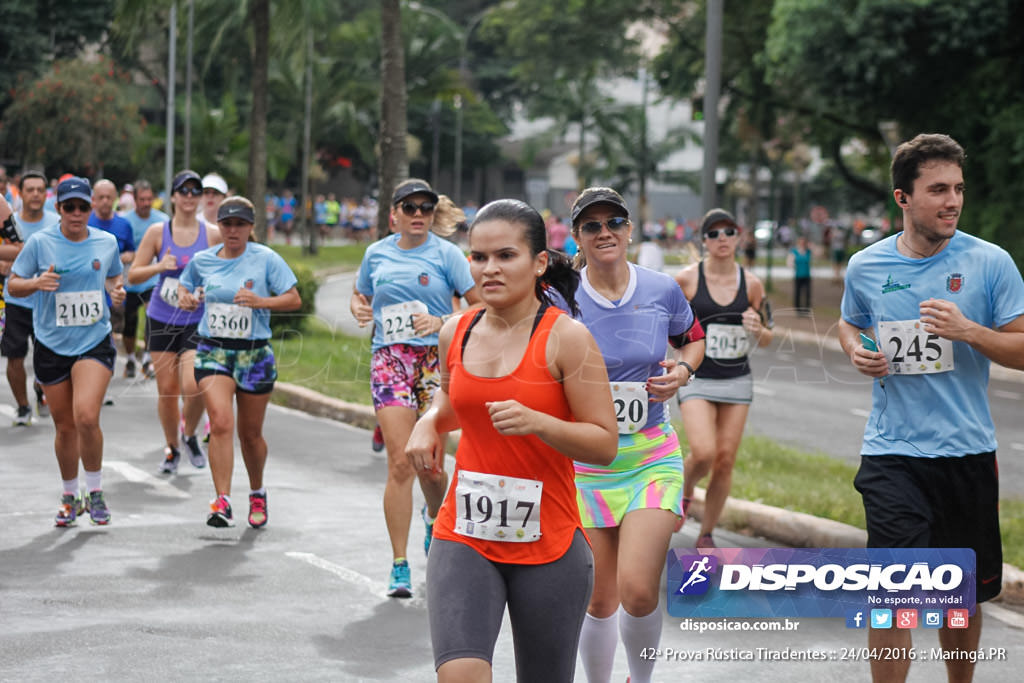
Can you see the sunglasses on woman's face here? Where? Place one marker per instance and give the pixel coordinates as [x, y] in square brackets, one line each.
[713, 234]
[194, 191]
[410, 208]
[614, 224]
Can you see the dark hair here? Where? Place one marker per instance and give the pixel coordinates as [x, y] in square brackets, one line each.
[926, 147]
[30, 174]
[559, 273]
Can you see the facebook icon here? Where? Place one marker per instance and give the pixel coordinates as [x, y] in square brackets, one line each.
[855, 619]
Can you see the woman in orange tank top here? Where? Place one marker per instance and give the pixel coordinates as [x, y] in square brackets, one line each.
[528, 387]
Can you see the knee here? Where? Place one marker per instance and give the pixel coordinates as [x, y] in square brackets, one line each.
[400, 469]
[724, 462]
[251, 442]
[637, 598]
[221, 423]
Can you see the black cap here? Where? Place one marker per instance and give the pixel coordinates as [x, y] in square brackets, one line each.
[407, 188]
[235, 210]
[597, 195]
[716, 216]
[184, 177]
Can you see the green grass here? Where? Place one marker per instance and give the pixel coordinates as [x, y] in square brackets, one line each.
[328, 258]
[325, 361]
[766, 472]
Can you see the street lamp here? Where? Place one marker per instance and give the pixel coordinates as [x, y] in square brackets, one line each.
[463, 75]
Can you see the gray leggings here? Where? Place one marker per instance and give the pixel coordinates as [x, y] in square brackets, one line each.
[467, 595]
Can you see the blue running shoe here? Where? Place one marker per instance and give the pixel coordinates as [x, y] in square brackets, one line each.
[428, 535]
[401, 583]
[69, 510]
[99, 513]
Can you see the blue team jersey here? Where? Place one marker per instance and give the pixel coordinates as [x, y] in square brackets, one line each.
[139, 226]
[27, 229]
[431, 273]
[118, 227]
[260, 269]
[633, 332]
[83, 268]
[925, 409]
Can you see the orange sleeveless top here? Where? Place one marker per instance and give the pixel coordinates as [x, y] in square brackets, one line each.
[483, 450]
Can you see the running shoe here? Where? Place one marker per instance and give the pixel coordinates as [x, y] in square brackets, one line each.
[170, 463]
[195, 451]
[705, 541]
[378, 440]
[429, 533]
[257, 510]
[147, 367]
[129, 369]
[69, 510]
[206, 431]
[401, 583]
[23, 417]
[108, 400]
[99, 513]
[42, 407]
[220, 513]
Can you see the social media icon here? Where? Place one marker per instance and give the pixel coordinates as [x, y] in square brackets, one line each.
[932, 618]
[906, 618]
[956, 618]
[881, 618]
[856, 619]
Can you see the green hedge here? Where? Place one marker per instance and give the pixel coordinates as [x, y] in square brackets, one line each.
[297, 320]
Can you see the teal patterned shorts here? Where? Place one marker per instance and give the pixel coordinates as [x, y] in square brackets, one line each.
[253, 369]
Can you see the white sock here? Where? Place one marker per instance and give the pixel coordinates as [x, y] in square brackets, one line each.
[639, 633]
[262, 491]
[71, 486]
[598, 641]
[93, 480]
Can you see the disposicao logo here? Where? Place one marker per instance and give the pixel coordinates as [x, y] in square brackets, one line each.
[825, 582]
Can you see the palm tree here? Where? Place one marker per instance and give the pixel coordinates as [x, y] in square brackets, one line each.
[393, 161]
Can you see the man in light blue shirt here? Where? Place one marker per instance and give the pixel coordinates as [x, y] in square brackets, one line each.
[941, 306]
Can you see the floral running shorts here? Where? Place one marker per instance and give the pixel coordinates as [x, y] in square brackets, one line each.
[253, 368]
[405, 376]
[647, 473]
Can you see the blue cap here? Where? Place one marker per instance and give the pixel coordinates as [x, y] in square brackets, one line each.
[183, 177]
[74, 188]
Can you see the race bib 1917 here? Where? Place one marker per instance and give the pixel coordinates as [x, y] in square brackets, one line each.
[497, 508]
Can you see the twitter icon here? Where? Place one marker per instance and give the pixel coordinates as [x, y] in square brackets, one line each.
[881, 618]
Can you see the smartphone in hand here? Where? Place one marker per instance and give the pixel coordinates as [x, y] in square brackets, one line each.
[868, 343]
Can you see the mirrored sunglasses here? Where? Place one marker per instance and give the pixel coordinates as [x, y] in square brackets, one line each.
[194, 191]
[713, 234]
[614, 224]
[72, 207]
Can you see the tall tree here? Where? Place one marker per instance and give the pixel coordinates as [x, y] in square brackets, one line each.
[259, 17]
[393, 162]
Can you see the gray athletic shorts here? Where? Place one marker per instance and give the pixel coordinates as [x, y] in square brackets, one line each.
[735, 390]
[467, 595]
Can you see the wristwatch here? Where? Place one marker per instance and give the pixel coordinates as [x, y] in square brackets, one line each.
[689, 367]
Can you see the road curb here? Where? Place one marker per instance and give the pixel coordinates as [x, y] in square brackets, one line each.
[795, 529]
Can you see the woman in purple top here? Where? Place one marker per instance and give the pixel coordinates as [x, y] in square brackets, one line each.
[171, 336]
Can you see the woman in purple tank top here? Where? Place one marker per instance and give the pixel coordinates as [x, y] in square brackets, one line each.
[171, 335]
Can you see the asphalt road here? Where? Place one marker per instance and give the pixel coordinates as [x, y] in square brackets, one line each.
[159, 593]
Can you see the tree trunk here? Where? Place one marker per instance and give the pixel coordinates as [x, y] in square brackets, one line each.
[393, 164]
[259, 15]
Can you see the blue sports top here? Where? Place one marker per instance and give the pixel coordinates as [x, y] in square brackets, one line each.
[633, 332]
[936, 413]
[83, 268]
[259, 268]
[27, 229]
[431, 273]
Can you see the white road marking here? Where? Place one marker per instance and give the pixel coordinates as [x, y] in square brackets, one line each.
[784, 356]
[1017, 446]
[763, 391]
[138, 476]
[7, 411]
[1011, 395]
[1008, 617]
[371, 586]
[860, 412]
[814, 362]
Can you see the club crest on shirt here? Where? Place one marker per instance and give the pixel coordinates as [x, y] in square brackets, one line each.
[954, 283]
[424, 279]
[249, 284]
[95, 264]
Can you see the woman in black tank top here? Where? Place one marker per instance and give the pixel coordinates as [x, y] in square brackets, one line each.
[729, 302]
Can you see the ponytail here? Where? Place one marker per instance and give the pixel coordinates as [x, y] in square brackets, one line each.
[447, 216]
[562, 277]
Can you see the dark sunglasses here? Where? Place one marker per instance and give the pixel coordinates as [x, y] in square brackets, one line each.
[194, 191]
[713, 234]
[614, 224]
[71, 207]
[410, 208]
